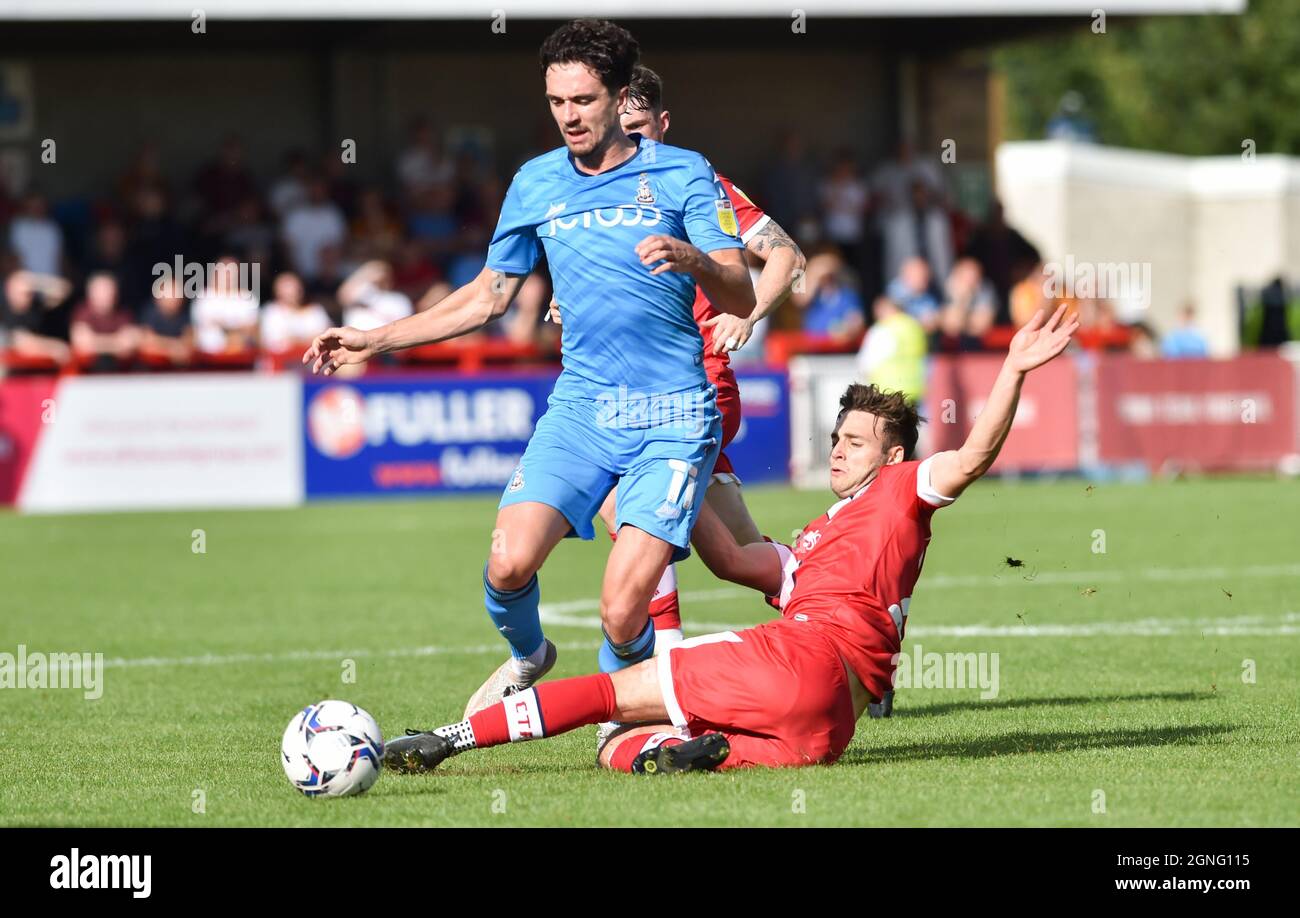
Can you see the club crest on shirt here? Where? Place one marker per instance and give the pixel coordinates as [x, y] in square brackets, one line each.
[517, 482]
[808, 541]
[727, 217]
[644, 193]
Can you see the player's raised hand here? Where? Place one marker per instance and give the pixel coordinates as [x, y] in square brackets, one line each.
[337, 347]
[729, 332]
[1038, 341]
[676, 254]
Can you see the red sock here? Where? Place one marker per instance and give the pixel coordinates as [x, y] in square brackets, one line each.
[628, 750]
[545, 710]
[665, 610]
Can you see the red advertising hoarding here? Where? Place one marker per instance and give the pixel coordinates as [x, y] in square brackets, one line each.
[1045, 432]
[1201, 414]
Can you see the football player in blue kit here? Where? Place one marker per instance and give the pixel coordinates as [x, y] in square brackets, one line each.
[629, 226]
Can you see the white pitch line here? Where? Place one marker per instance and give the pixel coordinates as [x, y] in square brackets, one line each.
[1286, 624]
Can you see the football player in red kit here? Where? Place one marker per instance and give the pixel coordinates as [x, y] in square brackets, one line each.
[789, 691]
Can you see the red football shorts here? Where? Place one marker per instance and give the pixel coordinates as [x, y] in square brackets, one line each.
[778, 692]
[729, 406]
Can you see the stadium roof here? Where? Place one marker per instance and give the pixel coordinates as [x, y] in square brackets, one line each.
[91, 10]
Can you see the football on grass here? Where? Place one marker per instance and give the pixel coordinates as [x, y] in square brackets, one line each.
[332, 749]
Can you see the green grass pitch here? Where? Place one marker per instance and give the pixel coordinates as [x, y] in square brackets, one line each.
[1154, 683]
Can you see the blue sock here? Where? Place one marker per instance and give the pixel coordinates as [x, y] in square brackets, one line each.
[514, 613]
[614, 657]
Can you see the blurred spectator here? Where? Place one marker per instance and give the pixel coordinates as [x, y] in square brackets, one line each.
[144, 175]
[421, 165]
[1030, 295]
[289, 322]
[166, 333]
[969, 308]
[104, 336]
[892, 355]
[28, 300]
[109, 256]
[844, 201]
[225, 314]
[376, 233]
[891, 182]
[1142, 341]
[313, 227]
[289, 190]
[1186, 340]
[433, 222]
[1068, 122]
[831, 305]
[919, 229]
[1099, 330]
[911, 290]
[340, 186]
[368, 297]
[222, 185]
[414, 272]
[1271, 317]
[1005, 255]
[155, 236]
[790, 189]
[250, 236]
[35, 238]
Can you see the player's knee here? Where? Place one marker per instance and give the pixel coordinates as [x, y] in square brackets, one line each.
[508, 571]
[622, 619]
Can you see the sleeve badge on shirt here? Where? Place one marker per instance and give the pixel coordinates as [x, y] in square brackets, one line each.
[727, 217]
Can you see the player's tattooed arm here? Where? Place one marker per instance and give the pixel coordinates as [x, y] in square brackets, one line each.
[464, 310]
[756, 565]
[1037, 342]
[783, 271]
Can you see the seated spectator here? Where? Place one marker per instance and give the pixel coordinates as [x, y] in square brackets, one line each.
[969, 308]
[35, 238]
[422, 164]
[892, 355]
[312, 228]
[289, 190]
[1142, 341]
[368, 297]
[221, 185]
[24, 317]
[414, 272]
[433, 220]
[1185, 341]
[109, 256]
[911, 291]
[103, 334]
[1099, 330]
[166, 333]
[376, 233]
[250, 236]
[831, 305]
[289, 322]
[1030, 295]
[225, 314]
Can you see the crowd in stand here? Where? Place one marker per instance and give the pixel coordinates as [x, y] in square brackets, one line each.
[230, 268]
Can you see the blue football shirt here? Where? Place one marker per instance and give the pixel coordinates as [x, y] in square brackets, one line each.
[622, 326]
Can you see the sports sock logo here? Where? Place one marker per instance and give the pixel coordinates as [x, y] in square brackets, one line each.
[103, 871]
[523, 716]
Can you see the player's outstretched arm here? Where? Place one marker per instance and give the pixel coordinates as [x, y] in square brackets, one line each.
[462, 311]
[783, 266]
[1035, 344]
[756, 565]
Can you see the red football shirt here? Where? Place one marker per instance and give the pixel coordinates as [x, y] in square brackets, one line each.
[749, 220]
[851, 572]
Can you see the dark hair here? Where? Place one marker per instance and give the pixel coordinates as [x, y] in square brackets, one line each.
[902, 420]
[608, 50]
[646, 91]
